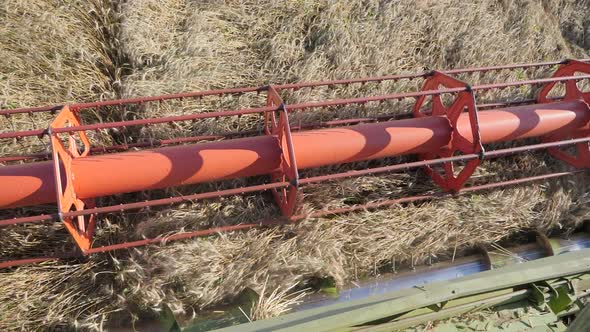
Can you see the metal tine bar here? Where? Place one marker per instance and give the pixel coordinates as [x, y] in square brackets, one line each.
[360, 100]
[465, 157]
[277, 222]
[186, 235]
[530, 82]
[239, 91]
[53, 108]
[168, 119]
[181, 140]
[144, 204]
[139, 122]
[35, 156]
[137, 100]
[437, 195]
[176, 199]
[295, 107]
[504, 67]
[245, 133]
[95, 150]
[379, 79]
[34, 260]
[118, 124]
[505, 104]
[28, 220]
[412, 76]
[292, 107]
[24, 133]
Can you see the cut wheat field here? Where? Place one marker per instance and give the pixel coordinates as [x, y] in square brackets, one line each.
[59, 51]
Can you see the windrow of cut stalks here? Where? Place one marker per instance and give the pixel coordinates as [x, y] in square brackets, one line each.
[62, 51]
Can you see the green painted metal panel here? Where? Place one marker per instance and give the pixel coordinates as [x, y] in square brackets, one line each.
[354, 313]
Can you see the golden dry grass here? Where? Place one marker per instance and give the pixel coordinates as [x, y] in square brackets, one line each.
[38, 298]
[49, 54]
[54, 52]
[143, 47]
[275, 303]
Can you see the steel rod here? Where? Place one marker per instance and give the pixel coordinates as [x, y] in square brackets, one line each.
[276, 222]
[139, 100]
[306, 126]
[292, 107]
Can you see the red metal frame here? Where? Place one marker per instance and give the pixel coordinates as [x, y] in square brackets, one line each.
[286, 198]
[465, 101]
[581, 158]
[78, 215]
[81, 227]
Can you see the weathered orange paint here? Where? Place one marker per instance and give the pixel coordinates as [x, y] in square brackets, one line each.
[323, 147]
[174, 166]
[528, 121]
[28, 184]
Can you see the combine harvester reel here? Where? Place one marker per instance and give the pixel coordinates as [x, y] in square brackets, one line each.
[449, 134]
